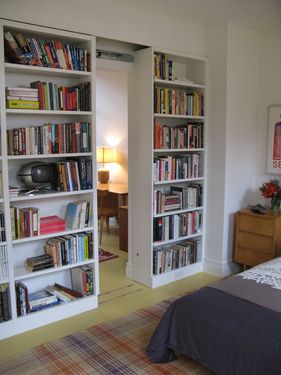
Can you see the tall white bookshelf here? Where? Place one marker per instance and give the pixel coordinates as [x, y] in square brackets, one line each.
[51, 203]
[143, 115]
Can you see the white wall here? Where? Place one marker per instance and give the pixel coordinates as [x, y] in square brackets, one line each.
[242, 96]
[269, 93]
[106, 19]
[112, 119]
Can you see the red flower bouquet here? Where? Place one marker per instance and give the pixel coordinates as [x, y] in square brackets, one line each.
[272, 189]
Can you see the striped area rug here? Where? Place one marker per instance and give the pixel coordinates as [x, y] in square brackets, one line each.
[116, 347]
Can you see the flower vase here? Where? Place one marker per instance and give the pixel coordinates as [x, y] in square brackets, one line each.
[275, 204]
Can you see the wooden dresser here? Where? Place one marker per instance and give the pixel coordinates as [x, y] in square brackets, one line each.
[258, 237]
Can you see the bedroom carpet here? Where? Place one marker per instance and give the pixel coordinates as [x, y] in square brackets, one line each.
[115, 347]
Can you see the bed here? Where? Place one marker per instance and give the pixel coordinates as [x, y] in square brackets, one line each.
[233, 327]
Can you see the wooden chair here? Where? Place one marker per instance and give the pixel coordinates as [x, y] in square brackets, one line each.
[107, 208]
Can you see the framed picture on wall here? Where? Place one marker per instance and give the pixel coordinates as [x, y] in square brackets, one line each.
[274, 139]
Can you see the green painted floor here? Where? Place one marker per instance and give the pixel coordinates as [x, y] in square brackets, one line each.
[119, 296]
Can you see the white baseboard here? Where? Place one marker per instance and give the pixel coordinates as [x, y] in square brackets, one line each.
[221, 269]
[129, 270]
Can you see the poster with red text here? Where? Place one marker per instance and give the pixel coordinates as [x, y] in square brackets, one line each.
[274, 140]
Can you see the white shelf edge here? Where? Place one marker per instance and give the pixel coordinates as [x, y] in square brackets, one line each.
[40, 156]
[155, 244]
[188, 117]
[29, 69]
[179, 211]
[29, 274]
[163, 150]
[165, 82]
[49, 195]
[178, 181]
[50, 235]
[46, 112]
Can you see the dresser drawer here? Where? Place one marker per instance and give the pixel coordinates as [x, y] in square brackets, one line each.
[255, 224]
[256, 242]
[251, 257]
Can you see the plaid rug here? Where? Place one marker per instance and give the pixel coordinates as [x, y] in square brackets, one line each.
[116, 347]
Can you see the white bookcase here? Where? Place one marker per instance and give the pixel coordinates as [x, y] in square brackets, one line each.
[52, 203]
[191, 74]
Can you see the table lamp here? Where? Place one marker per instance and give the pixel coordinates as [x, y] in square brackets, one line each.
[104, 155]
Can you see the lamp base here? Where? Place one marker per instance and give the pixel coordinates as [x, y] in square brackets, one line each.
[103, 176]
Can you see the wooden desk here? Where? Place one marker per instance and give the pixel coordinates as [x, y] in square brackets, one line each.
[120, 189]
[117, 192]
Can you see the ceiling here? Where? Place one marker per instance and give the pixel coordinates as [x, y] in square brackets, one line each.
[257, 14]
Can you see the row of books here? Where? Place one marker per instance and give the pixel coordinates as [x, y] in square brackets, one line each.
[22, 98]
[48, 139]
[61, 98]
[70, 249]
[176, 226]
[4, 270]
[78, 214]
[167, 168]
[163, 67]
[179, 136]
[74, 175]
[4, 303]
[25, 222]
[177, 198]
[21, 48]
[178, 102]
[82, 279]
[2, 227]
[171, 257]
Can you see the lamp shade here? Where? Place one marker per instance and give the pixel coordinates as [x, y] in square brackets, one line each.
[105, 155]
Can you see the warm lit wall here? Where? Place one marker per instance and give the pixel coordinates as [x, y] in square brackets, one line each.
[112, 119]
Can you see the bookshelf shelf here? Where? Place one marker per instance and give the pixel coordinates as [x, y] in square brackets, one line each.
[53, 203]
[160, 243]
[50, 195]
[46, 112]
[159, 102]
[177, 150]
[175, 83]
[50, 72]
[47, 156]
[187, 117]
[178, 181]
[22, 273]
[178, 211]
[56, 234]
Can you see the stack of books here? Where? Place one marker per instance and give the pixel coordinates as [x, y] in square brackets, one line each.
[78, 215]
[83, 280]
[63, 293]
[22, 98]
[164, 202]
[14, 191]
[74, 175]
[41, 300]
[61, 98]
[25, 222]
[175, 226]
[50, 139]
[180, 136]
[163, 67]
[51, 224]
[2, 227]
[170, 257]
[4, 271]
[4, 302]
[39, 263]
[70, 249]
[23, 49]
[167, 168]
